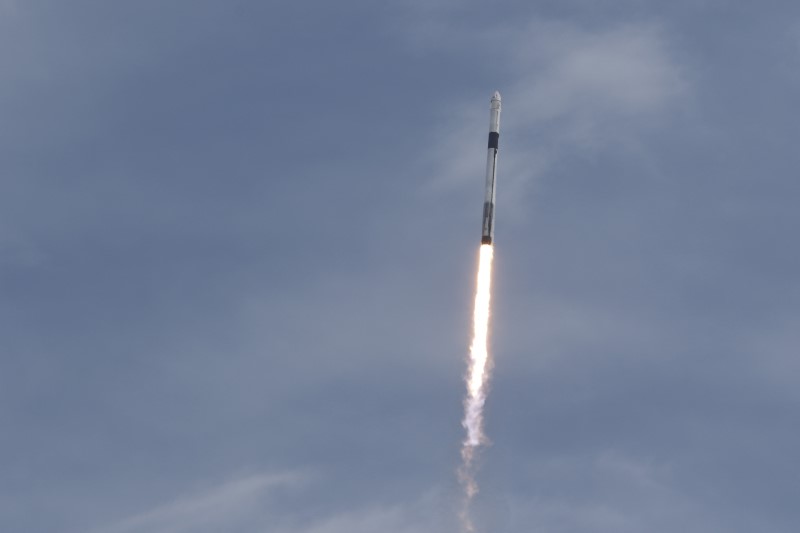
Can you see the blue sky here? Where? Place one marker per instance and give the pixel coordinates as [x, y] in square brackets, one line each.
[238, 241]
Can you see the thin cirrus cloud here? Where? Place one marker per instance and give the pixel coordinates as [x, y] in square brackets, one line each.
[591, 89]
[233, 504]
[249, 504]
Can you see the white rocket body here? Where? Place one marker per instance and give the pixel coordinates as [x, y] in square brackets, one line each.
[487, 235]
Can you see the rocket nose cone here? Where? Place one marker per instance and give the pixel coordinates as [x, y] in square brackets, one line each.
[496, 96]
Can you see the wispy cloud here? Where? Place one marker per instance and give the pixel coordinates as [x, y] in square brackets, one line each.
[247, 504]
[637, 495]
[227, 507]
[564, 70]
[427, 514]
[566, 87]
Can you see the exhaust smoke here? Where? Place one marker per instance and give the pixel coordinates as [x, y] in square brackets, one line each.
[477, 377]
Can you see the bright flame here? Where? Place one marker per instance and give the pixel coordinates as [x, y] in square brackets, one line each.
[479, 350]
[477, 377]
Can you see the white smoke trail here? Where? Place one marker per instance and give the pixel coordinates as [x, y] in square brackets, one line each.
[479, 366]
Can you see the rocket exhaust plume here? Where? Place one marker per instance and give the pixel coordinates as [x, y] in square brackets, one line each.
[479, 350]
[479, 360]
[479, 366]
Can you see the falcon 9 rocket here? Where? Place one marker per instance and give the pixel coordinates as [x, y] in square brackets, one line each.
[491, 171]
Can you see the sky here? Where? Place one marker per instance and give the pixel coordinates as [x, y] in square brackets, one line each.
[238, 242]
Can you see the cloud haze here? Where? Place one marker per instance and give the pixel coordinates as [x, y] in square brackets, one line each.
[238, 242]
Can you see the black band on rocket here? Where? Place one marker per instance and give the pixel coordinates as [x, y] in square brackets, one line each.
[494, 139]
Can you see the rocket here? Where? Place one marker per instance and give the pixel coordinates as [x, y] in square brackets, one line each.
[491, 170]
